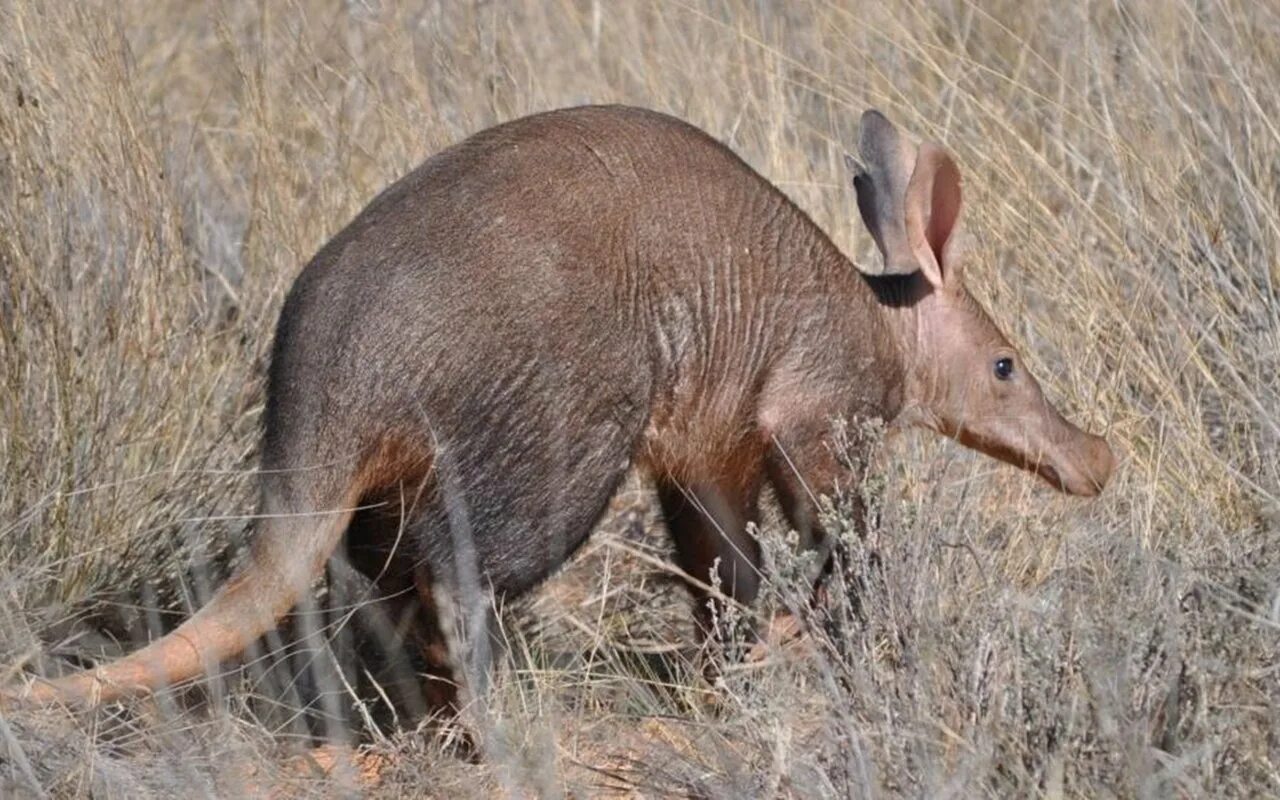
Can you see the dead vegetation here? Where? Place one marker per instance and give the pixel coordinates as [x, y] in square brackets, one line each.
[166, 169]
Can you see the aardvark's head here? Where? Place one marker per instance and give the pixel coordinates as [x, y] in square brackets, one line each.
[964, 379]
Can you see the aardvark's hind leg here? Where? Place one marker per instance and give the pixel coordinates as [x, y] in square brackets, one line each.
[708, 522]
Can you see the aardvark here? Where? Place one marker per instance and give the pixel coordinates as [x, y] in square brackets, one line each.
[490, 346]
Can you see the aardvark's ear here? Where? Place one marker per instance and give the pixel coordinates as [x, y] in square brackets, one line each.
[933, 215]
[910, 201]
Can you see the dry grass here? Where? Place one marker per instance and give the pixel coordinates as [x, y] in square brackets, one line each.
[166, 169]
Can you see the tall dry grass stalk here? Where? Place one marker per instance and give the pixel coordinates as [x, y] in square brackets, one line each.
[167, 168]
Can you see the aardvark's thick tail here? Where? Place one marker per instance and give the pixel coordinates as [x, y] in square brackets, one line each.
[288, 554]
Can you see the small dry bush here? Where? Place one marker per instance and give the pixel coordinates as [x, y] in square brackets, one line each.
[166, 169]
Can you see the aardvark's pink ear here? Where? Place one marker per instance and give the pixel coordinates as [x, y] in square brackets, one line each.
[933, 214]
[910, 201]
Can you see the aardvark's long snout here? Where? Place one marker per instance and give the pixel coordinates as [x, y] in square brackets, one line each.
[1071, 460]
[1083, 469]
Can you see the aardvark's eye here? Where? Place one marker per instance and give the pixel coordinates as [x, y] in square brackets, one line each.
[1004, 368]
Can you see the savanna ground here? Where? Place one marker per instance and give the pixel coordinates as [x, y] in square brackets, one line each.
[166, 168]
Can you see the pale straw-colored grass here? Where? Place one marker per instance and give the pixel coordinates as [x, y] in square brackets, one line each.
[166, 168]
